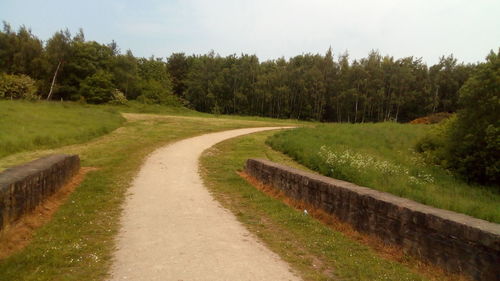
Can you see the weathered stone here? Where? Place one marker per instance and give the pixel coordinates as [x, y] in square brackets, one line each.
[456, 242]
[24, 187]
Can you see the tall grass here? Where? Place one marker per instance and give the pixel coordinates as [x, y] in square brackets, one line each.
[381, 156]
[34, 125]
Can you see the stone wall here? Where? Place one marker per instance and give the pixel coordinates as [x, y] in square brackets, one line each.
[24, 187]
[453, 241]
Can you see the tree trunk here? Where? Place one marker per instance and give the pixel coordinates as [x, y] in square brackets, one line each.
[364, 111]
[397, 113]
[54, 80]
[339, 109]
[234, 102]
[356, 109]
[436, 94]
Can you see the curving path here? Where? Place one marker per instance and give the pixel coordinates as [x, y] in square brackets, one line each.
[172, 228]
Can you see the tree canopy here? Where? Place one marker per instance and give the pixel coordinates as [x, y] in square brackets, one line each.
[71, 68]
[474, 144]
[329, 87]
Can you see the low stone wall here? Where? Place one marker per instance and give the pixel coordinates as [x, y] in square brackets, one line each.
[453, 241]
[24, 187]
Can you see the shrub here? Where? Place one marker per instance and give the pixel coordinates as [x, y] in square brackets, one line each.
[475, 138]
[17, 87]
[432, 119]
[433, 146]
[97, 88]
[470, 144]
[118, 98]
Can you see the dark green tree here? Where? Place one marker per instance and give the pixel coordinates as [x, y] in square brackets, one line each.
[178, 67]
[126, 74]
[474, 144]
[97, 88]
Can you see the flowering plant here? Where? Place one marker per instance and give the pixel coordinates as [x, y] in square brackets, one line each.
[338, 161]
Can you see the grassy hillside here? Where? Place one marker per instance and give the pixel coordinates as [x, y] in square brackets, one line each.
[28, 126]
[381, 156]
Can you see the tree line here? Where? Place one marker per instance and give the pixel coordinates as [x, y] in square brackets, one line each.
[68, 67]
[319, 87]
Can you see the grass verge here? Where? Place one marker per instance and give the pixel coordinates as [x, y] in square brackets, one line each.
[381, 156]
[312, 248]
[36, 125]
[77, 244]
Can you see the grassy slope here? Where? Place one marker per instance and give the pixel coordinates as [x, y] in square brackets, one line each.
[313, 249]
[393, 144]
[77, 243]
[137, 107]
[28, 126]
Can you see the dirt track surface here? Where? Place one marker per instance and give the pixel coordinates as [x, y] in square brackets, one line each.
[172, 228]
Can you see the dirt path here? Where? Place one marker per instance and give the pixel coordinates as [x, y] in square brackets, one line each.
[172, 228]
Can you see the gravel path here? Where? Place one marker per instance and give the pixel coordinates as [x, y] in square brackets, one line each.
[172, 228]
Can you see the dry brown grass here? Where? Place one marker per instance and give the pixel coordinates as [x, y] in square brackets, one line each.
[432, 118]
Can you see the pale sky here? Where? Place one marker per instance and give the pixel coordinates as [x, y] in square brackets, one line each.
[273, 28]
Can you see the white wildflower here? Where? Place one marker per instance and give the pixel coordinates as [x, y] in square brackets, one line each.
[362, 163]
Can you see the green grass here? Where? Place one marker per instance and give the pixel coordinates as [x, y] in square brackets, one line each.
[381, 156]
[35, 125]
[27, 126]
[77, 244]
[314, 250]
[136, 107]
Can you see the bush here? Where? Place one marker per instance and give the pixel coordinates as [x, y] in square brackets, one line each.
[475, 139]
[17, 87]
[470, 144]
[118, 98]
[433, 146]
[432, 119]
[97, 88]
